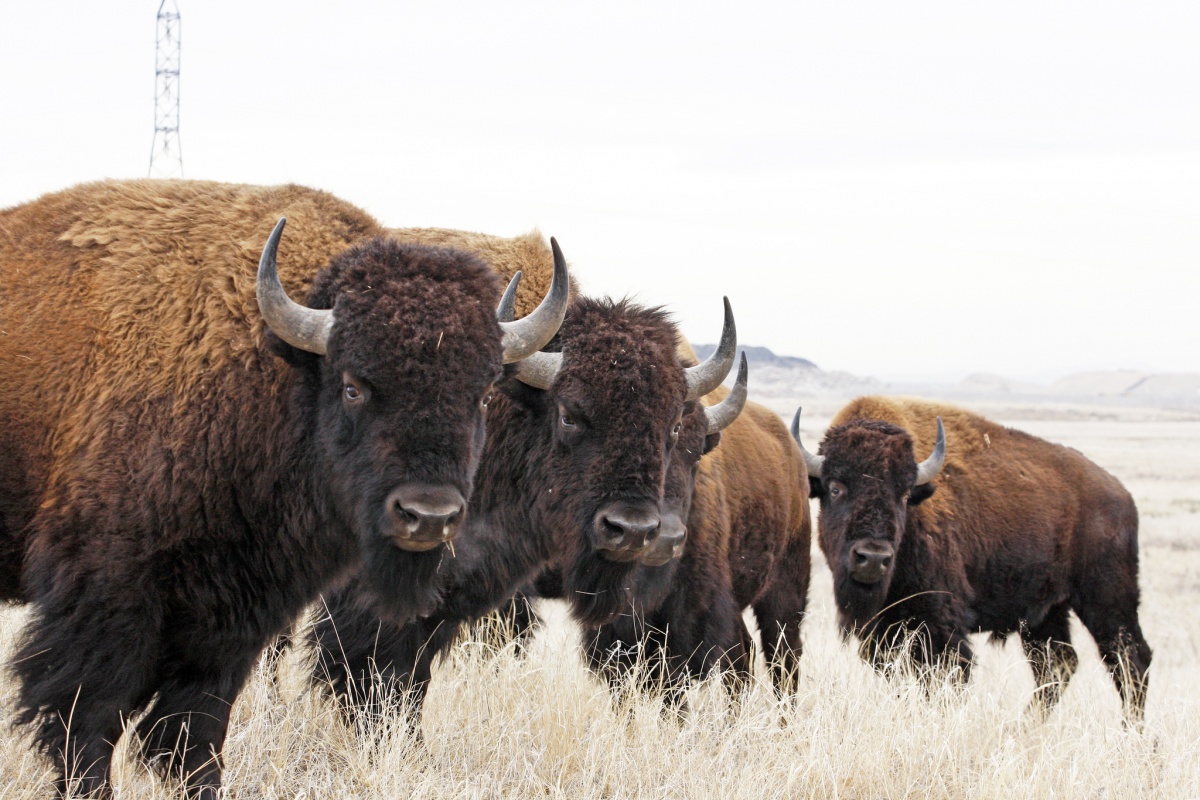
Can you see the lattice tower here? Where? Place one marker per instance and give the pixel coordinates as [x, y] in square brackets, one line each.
[166, 159]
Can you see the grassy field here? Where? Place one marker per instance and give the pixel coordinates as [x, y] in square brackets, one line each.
[503, 725]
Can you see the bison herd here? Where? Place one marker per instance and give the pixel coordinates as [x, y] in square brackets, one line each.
[207, 425]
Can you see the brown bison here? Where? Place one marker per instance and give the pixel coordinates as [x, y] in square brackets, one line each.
[579, 448]
[995, 531]
[184, 473]
[746, 544]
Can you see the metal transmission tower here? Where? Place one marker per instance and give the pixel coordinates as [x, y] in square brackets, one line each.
[166, 160]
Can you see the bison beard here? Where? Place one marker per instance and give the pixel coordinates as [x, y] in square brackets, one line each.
[598, 588]
[403, 587]
[858, 604]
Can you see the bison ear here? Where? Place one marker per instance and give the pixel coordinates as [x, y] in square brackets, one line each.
[300, 359]
[920, 494]
[710, 442]
[816, 490]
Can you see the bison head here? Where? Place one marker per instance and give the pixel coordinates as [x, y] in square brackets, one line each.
[866, 478]
[606, 409]
[399, 348]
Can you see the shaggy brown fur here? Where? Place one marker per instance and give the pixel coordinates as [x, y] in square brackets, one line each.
[1012, 535]
[527, 252]
[173, 491]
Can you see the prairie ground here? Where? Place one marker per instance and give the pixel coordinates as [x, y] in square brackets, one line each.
[499, 724]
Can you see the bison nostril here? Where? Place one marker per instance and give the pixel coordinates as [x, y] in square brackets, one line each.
[610, 529]
[404, 517]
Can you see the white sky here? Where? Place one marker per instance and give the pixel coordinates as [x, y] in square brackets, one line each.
[909, 189]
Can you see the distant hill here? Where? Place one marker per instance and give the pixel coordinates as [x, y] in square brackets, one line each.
[787, 377]
[759, 356]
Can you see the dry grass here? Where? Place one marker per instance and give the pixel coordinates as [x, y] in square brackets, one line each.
[499, 725]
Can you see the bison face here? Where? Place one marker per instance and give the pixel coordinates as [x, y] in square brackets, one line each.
[395, 390]
[866, 479]
[608, 411]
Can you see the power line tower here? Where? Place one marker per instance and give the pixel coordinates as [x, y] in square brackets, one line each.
[166, 159]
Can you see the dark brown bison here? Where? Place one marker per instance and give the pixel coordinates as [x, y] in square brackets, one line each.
[995, 531]
[182, 474]
[572, 474]
[746, 545]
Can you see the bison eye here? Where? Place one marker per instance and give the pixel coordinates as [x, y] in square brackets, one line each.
[487, 398]
[675, 431]
[836, 490]
[353, 394]
[567, 422]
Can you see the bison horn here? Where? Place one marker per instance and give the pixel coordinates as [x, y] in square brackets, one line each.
[540, 370]
[530, 334]
[299, 326]
[704, 377]
[507, 310]
[928, 469]
[722, 415]
[814, 463]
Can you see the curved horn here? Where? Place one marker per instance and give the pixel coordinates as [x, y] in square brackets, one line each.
[299, 326]
[539, 370]
[722, 415]
[703, 378]
[529, 334]
[814, 463]
[928, 469]
[506, 311]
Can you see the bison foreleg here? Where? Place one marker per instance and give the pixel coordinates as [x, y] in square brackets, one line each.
[83, 669]
[1052, 657]
[372, 666]
[183, 733]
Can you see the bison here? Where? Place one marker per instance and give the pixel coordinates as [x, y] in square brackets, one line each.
[746, 544]
[995, 530]
[573, 473]
[182, 474]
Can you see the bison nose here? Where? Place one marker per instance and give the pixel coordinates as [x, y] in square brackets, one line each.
[422, 517]
[624, 529]
[672, 533]
[870, 561]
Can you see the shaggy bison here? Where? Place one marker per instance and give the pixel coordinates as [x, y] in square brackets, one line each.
[746, 544]
[995, 531]
[578, 451]
[748, 541]
[182, 474]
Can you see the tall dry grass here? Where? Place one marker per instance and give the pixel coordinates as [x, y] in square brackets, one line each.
[502, 725]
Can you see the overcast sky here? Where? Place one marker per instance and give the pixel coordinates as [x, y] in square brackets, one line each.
[901, 189]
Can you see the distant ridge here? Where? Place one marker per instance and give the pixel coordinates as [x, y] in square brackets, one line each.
[759, 356]
[786, 377]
